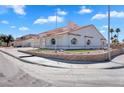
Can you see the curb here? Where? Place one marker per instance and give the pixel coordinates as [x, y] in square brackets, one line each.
[26, 61]
[117, 67]
[32, 62]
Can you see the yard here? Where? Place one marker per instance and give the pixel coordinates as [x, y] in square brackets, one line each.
[74, 55]
[68, 51]
[79, 51]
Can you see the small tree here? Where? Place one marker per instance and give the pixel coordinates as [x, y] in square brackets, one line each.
[6, 39]
[118, 31]
[114, 38]
[111, 31]
[9, 39]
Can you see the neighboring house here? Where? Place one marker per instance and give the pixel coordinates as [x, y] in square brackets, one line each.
[30, 40]
[36, 42]
[73, 36]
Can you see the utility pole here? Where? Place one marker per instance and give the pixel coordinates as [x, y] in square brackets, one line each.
[109, 49]
[56, 28]
[56, 18]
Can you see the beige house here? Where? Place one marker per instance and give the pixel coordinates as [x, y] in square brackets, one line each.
[30, 40]
[73, 36]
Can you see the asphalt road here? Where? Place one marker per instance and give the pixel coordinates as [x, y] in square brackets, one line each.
[17, 73]
[12, 76]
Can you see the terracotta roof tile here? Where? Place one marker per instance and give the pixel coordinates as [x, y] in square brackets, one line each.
[71, 26]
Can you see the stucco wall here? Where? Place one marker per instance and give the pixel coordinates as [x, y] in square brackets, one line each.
[61, 42]
[91, 31]
[35, 44]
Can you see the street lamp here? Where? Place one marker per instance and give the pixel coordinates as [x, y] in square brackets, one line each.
[109, 49]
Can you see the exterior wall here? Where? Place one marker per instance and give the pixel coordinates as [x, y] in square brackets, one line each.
[95, 41]
[64, 41]
[26, 43]
[17, 43]
[61, 42]
[35, 44]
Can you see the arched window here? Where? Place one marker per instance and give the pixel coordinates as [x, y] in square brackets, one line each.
[103, 43]
[88, 42]
[74, 41]
[53, 41]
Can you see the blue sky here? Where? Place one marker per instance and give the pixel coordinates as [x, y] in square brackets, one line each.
[22, 20]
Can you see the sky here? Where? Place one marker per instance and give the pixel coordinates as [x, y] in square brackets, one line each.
[34, 19]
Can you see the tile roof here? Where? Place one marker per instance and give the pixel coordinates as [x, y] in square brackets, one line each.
[58, 31]
[67, 29]
[71, 26]
[29, 36]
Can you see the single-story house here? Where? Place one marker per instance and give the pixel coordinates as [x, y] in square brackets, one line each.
[73, 36]
[30, 40]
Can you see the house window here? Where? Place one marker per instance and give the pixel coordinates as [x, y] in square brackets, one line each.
[74, 41]
[88, 42]
[103, 42]
[53, 41]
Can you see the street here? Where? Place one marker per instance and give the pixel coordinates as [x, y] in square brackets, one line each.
[16, 73]
[12, 76]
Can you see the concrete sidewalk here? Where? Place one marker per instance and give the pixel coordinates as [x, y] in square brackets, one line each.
[57, 63]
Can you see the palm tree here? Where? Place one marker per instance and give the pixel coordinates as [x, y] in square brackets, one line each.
[3, 39]
[111, 31]
[112, 39]
[115, 36]
[115, 39]
[117, 31]
[9, 39]
[6, 39]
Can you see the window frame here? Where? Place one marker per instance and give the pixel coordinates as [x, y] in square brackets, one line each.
[74, 41]
[53, 41]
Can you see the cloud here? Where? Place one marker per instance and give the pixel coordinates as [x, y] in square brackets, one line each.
[84, 10]
[99, 16]
[23, 28]
[102, 31]
[53, 19]
[4, 22]
[12, 26]
[104, 27]
[18, 9]
[48, 20]
[61, 12]
[113, 14]
[117, 14]
[41, 21]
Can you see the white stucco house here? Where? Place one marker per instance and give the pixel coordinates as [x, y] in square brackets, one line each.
[30, 40]
[73, 36]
